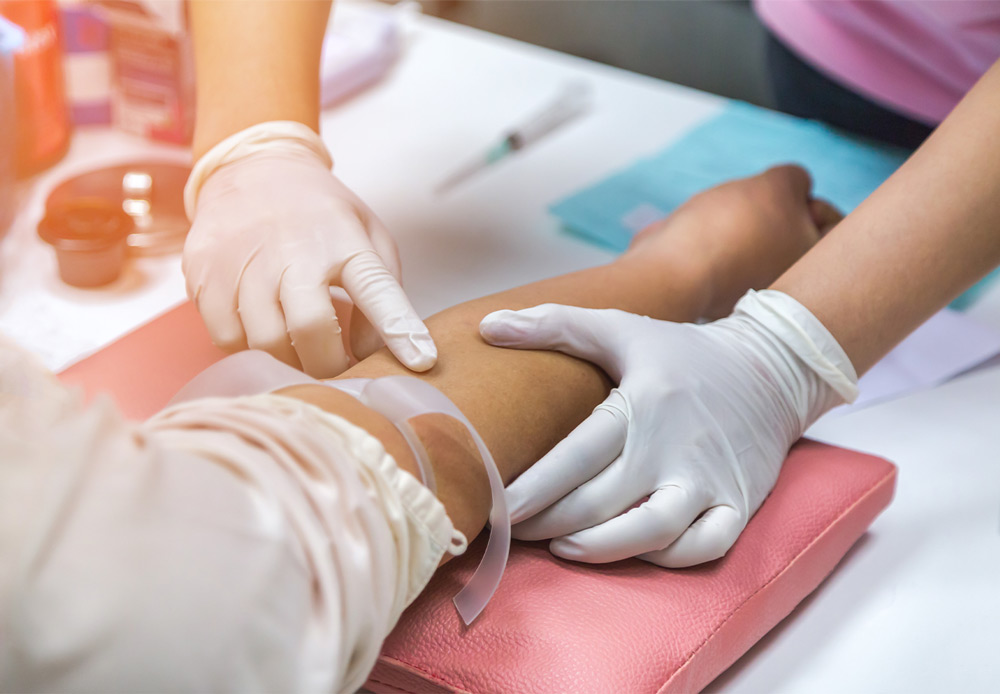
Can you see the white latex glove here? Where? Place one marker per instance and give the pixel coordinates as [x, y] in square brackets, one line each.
[272, 230]
[700, 423]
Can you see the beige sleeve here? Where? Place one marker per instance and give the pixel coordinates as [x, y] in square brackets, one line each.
[240, 544]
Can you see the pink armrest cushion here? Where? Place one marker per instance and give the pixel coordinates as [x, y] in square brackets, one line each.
[555, 626]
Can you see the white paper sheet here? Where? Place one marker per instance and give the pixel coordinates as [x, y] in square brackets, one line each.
[948, 344]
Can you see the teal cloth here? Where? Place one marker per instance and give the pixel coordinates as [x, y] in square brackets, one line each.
[741, 141]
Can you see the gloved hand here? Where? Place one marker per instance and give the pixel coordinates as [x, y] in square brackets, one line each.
[700, 423]
[272, 229]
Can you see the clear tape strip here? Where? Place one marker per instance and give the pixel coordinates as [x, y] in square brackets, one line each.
[401, 398]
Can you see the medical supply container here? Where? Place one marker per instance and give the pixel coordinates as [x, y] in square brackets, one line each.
[43, 125]
[11, 38]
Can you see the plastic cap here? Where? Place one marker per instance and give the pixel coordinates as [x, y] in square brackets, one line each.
[89, 236]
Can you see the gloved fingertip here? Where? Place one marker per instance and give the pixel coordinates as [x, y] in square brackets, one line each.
[422, 362]
[500, 327]
[415, 351]
[522, 532]
[515, 505]
[568, 548]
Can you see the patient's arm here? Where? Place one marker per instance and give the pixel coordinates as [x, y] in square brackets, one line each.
[695, 263]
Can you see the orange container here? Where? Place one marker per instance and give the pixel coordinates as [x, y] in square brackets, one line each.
[43, 124]
[89, 235]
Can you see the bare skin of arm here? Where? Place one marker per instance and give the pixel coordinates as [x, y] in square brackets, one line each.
[926, 235]
[694, 264]
[256, 61]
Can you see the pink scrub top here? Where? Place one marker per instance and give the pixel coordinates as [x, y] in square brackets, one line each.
[916, 57]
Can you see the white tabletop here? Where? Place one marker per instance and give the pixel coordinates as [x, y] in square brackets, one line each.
[912, 608]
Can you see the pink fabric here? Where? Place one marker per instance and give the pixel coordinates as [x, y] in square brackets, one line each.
[917, 57]
[556, 626]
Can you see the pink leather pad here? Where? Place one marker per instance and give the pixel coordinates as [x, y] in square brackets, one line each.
[556, 626]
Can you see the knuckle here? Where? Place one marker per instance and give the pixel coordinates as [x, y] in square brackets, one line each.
[227, 341]
[313, 336]
[715, 544]
[272, 343]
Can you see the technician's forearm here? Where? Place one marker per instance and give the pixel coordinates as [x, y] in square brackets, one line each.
[256, 61]
[922, 238]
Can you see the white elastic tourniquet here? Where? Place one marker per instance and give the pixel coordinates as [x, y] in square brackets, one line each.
[246, 544]
[399, 399]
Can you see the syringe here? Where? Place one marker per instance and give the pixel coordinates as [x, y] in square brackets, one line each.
[571, 102]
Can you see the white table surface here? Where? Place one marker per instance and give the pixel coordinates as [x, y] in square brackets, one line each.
[913, 607]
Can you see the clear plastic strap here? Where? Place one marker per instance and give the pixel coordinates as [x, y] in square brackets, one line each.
[400, 399]
[250, 372]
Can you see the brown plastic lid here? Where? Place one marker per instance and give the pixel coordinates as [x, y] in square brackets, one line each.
[89, 237]
[149, 191]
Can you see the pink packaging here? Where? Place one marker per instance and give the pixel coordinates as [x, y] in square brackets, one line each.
[86, 40]
[152, 77]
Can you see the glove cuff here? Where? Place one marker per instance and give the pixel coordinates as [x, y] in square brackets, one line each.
[801, 332]
[261, 137]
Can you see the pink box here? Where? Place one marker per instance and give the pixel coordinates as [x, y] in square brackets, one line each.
[152, 79]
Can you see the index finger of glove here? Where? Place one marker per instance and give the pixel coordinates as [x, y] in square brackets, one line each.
[312, 323]
[587, 450]
[589, 334]
[377, 292]
[609, 493]
[384, 245]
